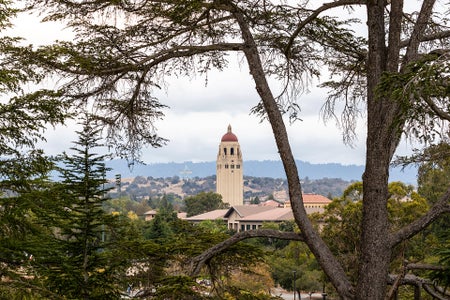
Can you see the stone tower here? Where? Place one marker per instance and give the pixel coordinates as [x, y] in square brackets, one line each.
[229, 171]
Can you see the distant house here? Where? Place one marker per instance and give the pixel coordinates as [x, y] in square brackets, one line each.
[150, 215]
[211, 215]
[242, 218]
[249, 217]
[313, 203]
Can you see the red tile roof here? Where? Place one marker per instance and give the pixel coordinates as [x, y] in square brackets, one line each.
[212, 215]
[274, 214]
[314, 198]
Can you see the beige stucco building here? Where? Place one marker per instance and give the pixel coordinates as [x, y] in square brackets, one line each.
[251, 217]
[229, 170]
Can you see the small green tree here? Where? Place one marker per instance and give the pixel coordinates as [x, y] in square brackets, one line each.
[160, 228]
[255, 200]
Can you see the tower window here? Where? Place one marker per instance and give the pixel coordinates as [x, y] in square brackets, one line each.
[232, 166]
[238, 166]
[225, 151]
[231, 151]
[226, 166]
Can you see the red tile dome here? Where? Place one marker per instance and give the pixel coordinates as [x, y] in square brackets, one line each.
[229, 136]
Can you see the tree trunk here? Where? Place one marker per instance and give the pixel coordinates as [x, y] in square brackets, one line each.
[417, 292]
[375, 246]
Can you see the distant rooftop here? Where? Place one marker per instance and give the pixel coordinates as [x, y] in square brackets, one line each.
[212, 215]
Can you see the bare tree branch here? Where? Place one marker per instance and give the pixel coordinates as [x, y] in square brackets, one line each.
[418, 31]
[150, 61]
[433, 292]
[198, 261]
[411, 279]
[442, 114]
[440, 207]
[396, 284]
[314, 15]
[413, 266]
[428, 37]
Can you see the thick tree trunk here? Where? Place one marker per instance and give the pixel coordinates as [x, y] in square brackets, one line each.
[384, 127]
[375, 246]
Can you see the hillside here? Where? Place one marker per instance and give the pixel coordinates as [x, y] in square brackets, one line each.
[141, 187]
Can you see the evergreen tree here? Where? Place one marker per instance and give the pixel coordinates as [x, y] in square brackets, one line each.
[83, 258]
[23, 167]
[161, 227]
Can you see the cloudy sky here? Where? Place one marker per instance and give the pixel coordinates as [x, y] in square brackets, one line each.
[199, 115]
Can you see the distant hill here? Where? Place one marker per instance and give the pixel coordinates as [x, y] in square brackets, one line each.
[262, 188]
[267, 168]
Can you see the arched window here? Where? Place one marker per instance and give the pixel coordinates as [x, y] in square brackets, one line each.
[231, 151]
[225, 151]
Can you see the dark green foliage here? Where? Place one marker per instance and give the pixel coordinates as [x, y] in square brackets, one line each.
[82, 256]
[295, 257]
[178, 287]
[24, 115]
[434, 172]
[160, 228]
[422, 91]
[241, 294]
[203, 202]
[433, 180]
[255, 200]
[442, 278]
[24, 188]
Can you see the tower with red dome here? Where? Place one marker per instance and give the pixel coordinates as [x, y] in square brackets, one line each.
[229, 171]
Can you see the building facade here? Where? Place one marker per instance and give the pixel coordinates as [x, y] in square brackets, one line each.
[229, 170]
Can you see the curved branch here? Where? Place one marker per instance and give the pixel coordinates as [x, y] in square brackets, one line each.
[441, 207]
[198, 261]
[151, 60]
[428, 37]
[418, 31]
[314, 15]
[432, 292]
[439, 112]
[414, 280]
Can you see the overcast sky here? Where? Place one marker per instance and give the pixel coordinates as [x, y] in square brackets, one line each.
[199, 116]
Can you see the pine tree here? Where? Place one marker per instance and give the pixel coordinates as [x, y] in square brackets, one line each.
[83, 259]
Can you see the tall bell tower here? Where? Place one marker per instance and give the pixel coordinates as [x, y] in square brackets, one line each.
[229, 171]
